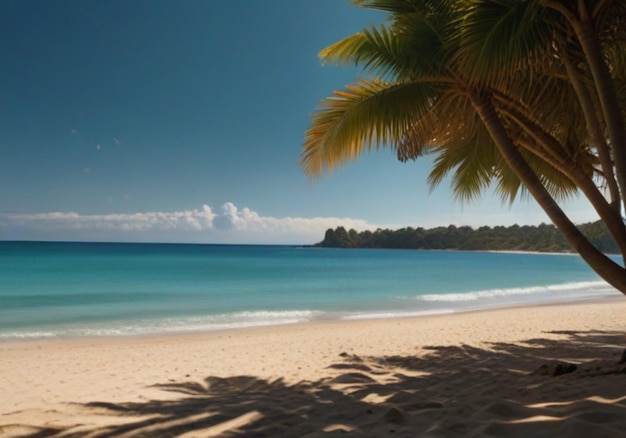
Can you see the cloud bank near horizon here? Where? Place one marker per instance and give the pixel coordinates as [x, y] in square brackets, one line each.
[227, 224]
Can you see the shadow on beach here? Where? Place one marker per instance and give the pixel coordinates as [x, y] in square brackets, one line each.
[454, 391]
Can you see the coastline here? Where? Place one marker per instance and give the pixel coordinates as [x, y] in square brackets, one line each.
[430, 305]
[46, 383]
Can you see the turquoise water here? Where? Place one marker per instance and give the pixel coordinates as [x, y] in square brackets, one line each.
[97, 289]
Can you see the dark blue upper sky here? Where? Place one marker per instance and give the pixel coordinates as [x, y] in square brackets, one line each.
[161, 120]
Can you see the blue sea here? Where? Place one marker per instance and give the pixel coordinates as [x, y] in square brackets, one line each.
[64, 290]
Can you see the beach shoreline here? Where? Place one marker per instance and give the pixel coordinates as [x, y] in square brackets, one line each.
[179, 327]
[325, 319]
[47, 383]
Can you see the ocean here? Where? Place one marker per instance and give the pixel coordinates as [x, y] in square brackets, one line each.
[65, 290]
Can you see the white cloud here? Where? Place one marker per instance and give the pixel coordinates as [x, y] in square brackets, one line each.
[228, 217]
[228, 224]
[183, 220]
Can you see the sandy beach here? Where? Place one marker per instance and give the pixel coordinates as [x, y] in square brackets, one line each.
[469, 374]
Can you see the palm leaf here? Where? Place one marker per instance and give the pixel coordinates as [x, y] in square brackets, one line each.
[401, 7]
[450, 117]
[367, 114]
[375, 50]
[408, 48]
[497, 38]
[471, 158]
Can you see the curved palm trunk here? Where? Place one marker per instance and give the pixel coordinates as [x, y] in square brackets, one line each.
[608, 97]
[593, 125]
[610, 271]
[611, 219]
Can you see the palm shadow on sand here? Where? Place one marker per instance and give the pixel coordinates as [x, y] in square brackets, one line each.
[454, 391]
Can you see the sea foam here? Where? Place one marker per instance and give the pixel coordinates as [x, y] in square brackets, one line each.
[574, 290]
[171, 325]
[398, 314]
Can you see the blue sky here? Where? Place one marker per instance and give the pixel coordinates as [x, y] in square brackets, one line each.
[182, 121]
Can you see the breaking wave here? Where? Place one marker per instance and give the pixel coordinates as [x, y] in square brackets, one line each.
[170, 325]
[591, 289]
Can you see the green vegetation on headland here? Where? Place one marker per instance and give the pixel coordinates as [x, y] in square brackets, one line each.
[542, 238]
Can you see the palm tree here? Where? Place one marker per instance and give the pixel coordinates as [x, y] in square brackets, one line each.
[505, 35]
[427, 92]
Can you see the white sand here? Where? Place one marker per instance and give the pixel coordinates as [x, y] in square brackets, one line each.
[454, 375]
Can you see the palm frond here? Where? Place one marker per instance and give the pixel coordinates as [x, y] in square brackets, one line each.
[391, 6]
[509, 187]
[408, 47]
[497, 38]
[367, 114]
[406, 6]
[560, 186]
[375, 50]
[450, 117]
[471, 157]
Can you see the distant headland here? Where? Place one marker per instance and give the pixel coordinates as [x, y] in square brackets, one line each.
[539, 238]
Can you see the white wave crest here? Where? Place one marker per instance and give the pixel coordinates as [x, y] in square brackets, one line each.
[173, 325]
[385, 315]
[590, 287]
[27, 335]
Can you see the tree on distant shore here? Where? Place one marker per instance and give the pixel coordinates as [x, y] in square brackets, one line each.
[526, 95]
